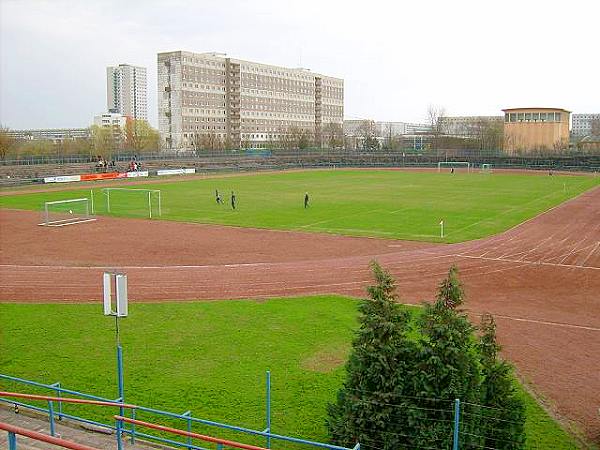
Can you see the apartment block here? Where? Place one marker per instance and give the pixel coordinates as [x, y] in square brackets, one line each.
[467, 126]
[241, 103]
[126, 91]
[50, 134]
[585, 124]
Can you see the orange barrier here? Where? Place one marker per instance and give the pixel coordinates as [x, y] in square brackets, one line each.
[44, 437]
[201, 437]
[102, 176]
[65, 399]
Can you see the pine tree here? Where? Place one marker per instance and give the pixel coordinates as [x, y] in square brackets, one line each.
[447, 367]
[366, 404]
[504, 412]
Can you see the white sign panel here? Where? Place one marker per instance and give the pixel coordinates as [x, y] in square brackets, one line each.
[143, 173]
[62, 179]
[175, 171]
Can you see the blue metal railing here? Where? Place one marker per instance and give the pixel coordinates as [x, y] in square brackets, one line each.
[186, 417]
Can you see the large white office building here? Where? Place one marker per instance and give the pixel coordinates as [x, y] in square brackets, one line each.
[126, 91]
[241, 103]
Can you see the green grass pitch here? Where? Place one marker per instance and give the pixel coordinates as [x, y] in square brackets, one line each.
[209, 357]
[378, 203]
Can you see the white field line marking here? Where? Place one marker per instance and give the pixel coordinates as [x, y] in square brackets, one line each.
[589, 191]
[65, 223]
[338, 218]
[205, 266]
[546, 322]
[571, 266]
[576, 249]
[519, 208]
[591, 253]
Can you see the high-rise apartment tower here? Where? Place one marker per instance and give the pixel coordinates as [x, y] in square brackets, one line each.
[126, 91]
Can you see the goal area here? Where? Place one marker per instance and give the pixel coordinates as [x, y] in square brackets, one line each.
[60, 213]
[454, 165]
[131, 202]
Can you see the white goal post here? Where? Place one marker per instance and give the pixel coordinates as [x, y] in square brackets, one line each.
[149, 201]
[454, 164]
[67, 212]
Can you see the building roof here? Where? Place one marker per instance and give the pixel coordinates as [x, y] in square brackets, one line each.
[533, 107]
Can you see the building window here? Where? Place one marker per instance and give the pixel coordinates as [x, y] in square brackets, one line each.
[557, 117]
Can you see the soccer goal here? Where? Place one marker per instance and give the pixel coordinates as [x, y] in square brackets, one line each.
[132, 202]
[67, 212]
[454, 165]
[486, 168]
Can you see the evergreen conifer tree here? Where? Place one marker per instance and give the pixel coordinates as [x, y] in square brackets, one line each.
[447, 367]
[503, 426]
[366, 403]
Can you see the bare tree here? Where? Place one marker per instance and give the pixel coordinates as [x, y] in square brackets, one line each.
[435, 115]
[366, 131]
[334, 135]
[7, 143]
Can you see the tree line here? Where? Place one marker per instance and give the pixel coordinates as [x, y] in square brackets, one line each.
[137, 136]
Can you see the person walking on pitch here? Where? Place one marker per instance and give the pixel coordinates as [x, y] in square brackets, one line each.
[218, 197]
[232, 200]
[306, 200]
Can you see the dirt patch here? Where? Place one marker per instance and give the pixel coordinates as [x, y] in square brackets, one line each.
[326, 360]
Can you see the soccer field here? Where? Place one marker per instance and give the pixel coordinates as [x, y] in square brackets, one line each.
[209, 357]
[378, 203]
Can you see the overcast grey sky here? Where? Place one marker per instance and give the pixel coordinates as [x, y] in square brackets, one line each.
[471, 57]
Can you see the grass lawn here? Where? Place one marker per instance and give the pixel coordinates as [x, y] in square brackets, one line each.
[381, 203]
[208, 357]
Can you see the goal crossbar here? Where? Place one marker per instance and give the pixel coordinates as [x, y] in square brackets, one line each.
[150, 194]
[59, 213]
[454, 164]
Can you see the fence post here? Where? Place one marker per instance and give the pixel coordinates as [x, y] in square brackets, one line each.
[456, 423]
[133, 427]
[188, 414]
[58, 394]
[268, 409]
[12, 441]
[119, 432]
[51, 416]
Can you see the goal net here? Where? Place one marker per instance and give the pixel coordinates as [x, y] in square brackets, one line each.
[131, 202]
[454, 165]
[67, 212]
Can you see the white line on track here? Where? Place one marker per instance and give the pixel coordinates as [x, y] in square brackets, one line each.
[541, 263]
[545, 322]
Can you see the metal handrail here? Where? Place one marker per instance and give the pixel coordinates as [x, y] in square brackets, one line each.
[13, 430]
[65, 399]
[266, 433]
[201, 437]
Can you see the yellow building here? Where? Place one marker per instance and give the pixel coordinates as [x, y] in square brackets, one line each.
[532, 129]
